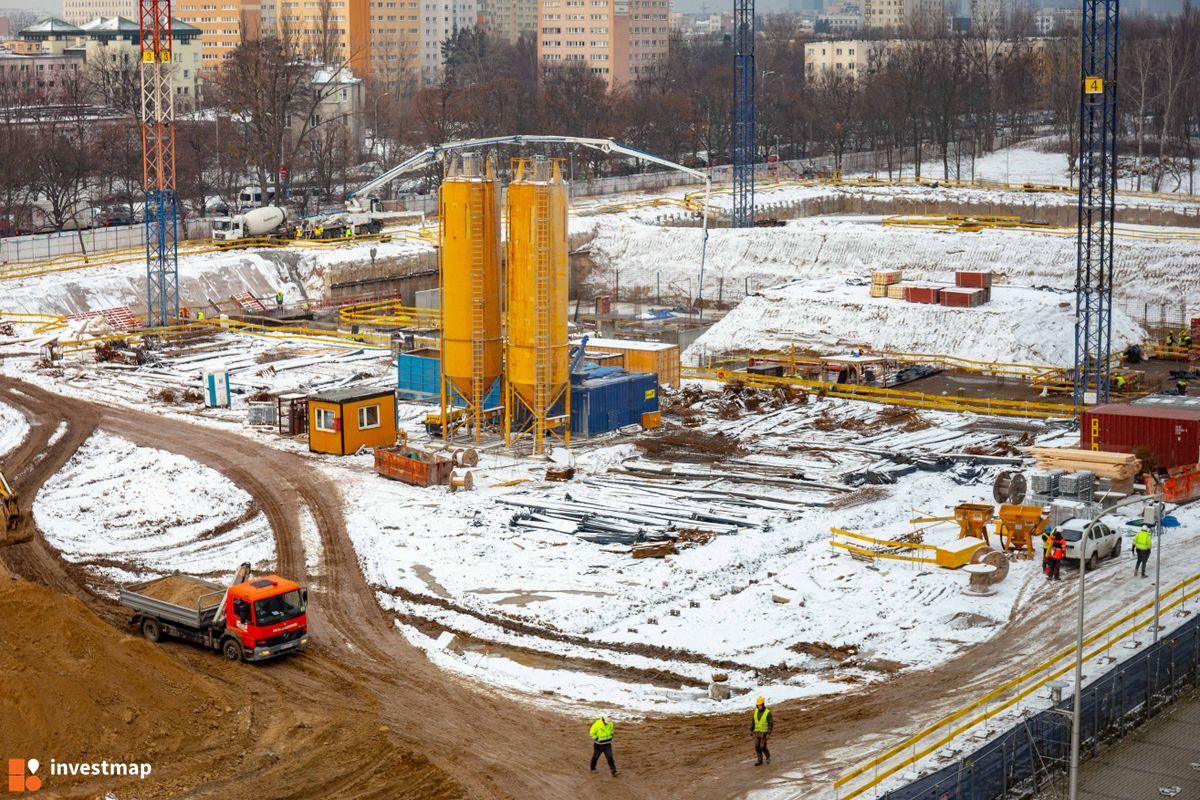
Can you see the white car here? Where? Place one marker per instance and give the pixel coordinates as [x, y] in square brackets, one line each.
[1102, 541]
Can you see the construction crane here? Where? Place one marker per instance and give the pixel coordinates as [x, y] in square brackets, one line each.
[1097, 200]
[745, 123]
[158, 164]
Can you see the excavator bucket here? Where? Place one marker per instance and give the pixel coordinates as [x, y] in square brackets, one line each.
[12, 531]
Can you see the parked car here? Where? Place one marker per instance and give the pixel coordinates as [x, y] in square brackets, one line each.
[1101, 542]
[110, 217]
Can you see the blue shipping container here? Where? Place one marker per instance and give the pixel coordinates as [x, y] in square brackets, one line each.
[419, 378]
[601, 405]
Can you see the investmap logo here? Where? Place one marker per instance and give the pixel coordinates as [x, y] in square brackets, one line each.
[22, 775]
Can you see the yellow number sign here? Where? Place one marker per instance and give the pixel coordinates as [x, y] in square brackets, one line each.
[1093, 85]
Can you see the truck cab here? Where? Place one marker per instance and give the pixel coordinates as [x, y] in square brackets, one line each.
[227, 229]
[267, 615]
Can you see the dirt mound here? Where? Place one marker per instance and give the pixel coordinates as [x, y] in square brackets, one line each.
[76, 689]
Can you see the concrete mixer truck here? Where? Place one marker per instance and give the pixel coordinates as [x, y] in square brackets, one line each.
[362, 217]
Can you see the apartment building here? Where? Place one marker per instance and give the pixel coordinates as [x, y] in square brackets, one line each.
[440, 19]
[99, 50]
[614, 39]
[508, 19]
[852, 58]
[904, 14]
[395, 42]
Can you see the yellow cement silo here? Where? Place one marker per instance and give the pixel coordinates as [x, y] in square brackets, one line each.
[537, 396]
[469, 269]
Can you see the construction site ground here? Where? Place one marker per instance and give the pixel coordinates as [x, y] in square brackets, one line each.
[129, 477]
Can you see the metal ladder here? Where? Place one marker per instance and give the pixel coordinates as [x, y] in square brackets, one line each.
[542, 351]
[478, 324]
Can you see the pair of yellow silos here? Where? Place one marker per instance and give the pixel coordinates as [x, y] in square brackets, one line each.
[507, 326]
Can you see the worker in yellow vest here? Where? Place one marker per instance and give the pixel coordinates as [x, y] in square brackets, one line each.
[760, 728]
[1141, 548]
[1047, 543]
[200, 316]
[602, 736]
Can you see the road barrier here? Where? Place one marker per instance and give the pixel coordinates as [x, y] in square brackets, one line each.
[1011, 760]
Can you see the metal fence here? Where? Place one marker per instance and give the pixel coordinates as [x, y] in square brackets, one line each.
[39, 246]
[1033, 755]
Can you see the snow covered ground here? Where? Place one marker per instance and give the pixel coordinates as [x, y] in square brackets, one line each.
[13, 429]
[1021, 325]
[129, 513]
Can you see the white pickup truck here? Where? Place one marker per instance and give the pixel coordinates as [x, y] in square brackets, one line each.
[1101, 542]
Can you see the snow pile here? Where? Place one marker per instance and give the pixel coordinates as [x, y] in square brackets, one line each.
[1025, 326]
[13, 429]
[129, 512]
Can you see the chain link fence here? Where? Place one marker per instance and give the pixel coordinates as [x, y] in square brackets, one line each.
[1030, 759]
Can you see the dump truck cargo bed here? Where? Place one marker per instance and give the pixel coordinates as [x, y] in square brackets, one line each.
[181, 599]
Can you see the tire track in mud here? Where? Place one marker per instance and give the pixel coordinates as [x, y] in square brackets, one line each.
[389, 703]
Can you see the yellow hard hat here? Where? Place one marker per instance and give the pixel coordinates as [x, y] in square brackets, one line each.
[760, 701]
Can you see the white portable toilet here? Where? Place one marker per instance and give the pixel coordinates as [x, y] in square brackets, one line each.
[216, 389]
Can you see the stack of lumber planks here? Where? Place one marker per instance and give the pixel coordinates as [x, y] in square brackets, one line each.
[1114, 466]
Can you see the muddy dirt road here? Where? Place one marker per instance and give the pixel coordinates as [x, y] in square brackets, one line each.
[365, 714]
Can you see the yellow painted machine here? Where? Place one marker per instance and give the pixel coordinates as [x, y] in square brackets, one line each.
[973, 519]
[1019, 526]
[10, 511]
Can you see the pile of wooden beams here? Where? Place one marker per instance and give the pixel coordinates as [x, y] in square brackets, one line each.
[1114, 466]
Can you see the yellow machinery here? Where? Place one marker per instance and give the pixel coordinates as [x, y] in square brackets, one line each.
[953, 556]
[1020, 526]
[469, 269]
[10, 516]
[536, 396]
[973, 519]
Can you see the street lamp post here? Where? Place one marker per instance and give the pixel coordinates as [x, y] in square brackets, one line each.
[1073, 792]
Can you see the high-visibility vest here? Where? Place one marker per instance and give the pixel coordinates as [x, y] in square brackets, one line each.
[1059, 550]
[762, 722]
[1143, 540]
[1047, 541]
[601, 732]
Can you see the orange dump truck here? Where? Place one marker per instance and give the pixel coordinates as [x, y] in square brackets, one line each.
[251, 620]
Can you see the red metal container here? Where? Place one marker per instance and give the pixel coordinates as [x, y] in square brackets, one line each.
[922, 294]
[413, 466]
[973, 279]
[1171, 433]
[962, 298]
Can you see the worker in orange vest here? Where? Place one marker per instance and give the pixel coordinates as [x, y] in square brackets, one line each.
[1058, 551]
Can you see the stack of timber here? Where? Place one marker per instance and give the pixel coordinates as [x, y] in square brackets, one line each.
[882, 279]
[1113, 466]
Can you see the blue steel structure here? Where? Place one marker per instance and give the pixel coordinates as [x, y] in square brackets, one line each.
[1097, 201]
[745, 148]
[158, 164]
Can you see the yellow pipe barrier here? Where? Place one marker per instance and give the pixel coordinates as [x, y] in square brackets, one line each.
[1014, 408]
[1004, 689]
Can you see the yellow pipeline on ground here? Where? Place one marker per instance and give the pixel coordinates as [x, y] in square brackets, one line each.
[934, 402]
[952, 222]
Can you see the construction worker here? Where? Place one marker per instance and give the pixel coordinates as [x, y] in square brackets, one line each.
[1185, 339]
[184, 313]
[1058, 551]
[761, 726]
[279, 299]
[349, 232]
[200, 316]
[1170, 339]
[1181, 385]
[602, 736]
[1142, 542]
[319, 232]
[1047, 542]
[1119, 380]
[299, 231]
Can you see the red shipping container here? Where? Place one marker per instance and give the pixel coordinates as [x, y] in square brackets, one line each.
[1171, 433]
[922, 294]
[973, 279]
[962, 298]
